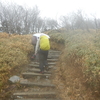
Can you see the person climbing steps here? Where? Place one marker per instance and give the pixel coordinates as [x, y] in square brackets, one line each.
[42, 48]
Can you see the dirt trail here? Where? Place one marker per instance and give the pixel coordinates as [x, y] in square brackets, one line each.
[36, 86]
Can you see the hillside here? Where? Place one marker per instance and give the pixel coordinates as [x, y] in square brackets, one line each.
[77, 71]
[78, 68]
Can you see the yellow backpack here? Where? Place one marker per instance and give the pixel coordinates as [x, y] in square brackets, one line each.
[44, 43]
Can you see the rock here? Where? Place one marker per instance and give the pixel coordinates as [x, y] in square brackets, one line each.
[14, 79]
[19, 97]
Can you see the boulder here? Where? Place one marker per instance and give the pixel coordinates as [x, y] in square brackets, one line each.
[14, 79]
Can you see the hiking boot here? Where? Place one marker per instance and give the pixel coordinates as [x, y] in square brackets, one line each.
[33, 57]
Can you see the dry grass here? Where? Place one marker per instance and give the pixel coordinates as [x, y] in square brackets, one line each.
[78, 70]
[77, 75]
[14, 50]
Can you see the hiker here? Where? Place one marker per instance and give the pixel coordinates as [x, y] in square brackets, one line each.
[35, 37]
[42, 48]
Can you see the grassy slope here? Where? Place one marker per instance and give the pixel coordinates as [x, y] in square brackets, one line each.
[78, 70]
[14, 50]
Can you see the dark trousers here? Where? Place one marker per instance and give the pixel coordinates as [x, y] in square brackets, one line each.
[34, 47]
[43, 55]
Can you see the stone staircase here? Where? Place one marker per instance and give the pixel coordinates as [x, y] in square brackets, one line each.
[36, 86]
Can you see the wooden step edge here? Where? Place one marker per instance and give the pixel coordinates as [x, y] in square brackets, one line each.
[33, 93]
[37, 63]
[36, 84]
[52, 57]
[37, 99]
[35, 74]
[37, 70]
[57, 55]
[50, 60]
[37, 66]
[52, 51]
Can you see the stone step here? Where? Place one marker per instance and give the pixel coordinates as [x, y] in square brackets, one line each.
[47, 89]
[36, 84]
[50, 63]
[35, 94]
[31, 74]
[53, 56]
[37, 66]
[52, 60]
[38, 99]
[38, 70]
[53, 51]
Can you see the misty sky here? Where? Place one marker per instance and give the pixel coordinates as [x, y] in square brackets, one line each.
[56, 8]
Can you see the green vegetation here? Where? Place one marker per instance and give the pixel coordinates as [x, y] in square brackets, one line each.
[14, 50]
[78, 68]
[79, 62]
[85, 51]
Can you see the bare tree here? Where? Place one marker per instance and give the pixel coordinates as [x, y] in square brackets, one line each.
[34, 15]
[51, 24]
[16, 19]
[65, 21]
[95, 22]
[77, 20]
